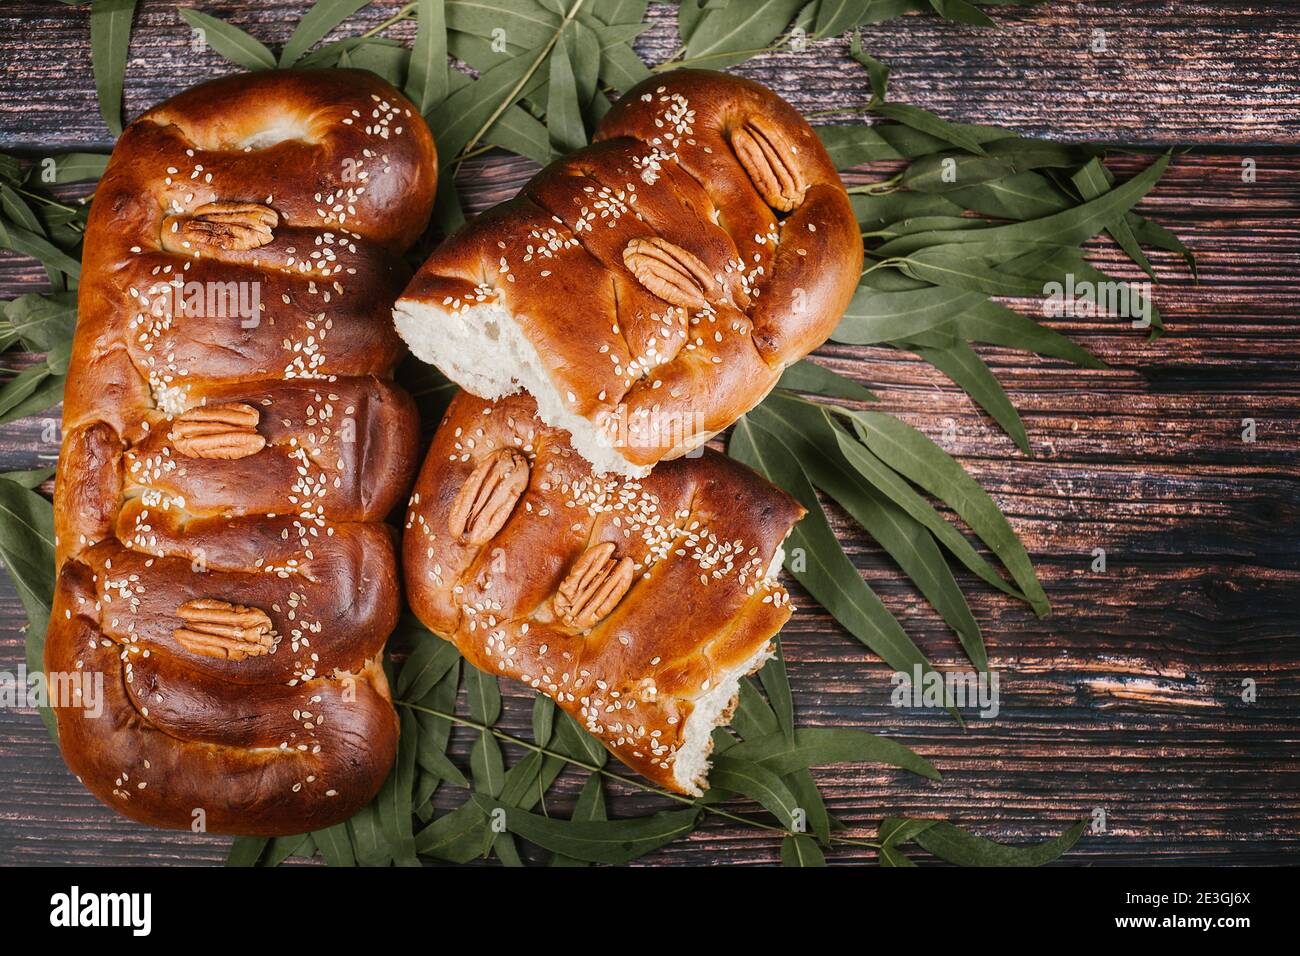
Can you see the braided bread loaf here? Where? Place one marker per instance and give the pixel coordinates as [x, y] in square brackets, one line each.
[225, 471]
[636, 604]
[648, 290]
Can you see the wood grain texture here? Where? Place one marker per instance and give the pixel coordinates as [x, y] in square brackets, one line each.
[1128, 697]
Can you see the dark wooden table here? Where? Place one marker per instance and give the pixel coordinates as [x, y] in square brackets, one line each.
[1129, 697]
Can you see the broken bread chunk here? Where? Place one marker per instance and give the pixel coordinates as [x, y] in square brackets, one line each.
[636, 604]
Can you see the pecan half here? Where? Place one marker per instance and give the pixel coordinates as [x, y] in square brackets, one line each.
[670, 272]
[219, 629]
[233, 226]
[594, 586]
[218, 431]
[485, 501]
[768, 158]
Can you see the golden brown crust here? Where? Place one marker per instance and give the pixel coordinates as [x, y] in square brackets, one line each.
[669, 272]
[232, 445]
[622, 599]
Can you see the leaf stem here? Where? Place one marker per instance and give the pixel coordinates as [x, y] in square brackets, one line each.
[695, 60]
[630, 781]
[510, 98]
[877, 188]
[45, 199]
[403, 14]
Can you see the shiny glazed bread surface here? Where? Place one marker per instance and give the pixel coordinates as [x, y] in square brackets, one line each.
[228, 463]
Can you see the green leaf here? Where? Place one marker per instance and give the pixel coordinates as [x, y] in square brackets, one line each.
[384, 58]
[912, 547]
[733, 33]
[110, 38]
[763, 786]
[823, 746]
[893, 856]
[368, 842]
[281, 848]
[956, 359]
[926, 122]
[961, 12]
[31, 391]
[584, 55]
[246, 851]
[777, 685]
[543, 719]
[318, 23]
[1028, 195]
[435, 732]
[522, 778]
[994, 323]
[807, 376]
[27, 547]
[854, 145]
[463, 115]
[877, 72]
[914, 455]
[956, 845]
[834, 17]
[31, 478]
[896, 830]
[335, 845]
[1092, 181]
[27, 550]
[572, 741]
[563, 115]
[29, 243]
[430, 659]
[797, 849]
[484, 694]
[874, 316]
[964, 267]
[523, 22]
[804, 787]
[829, 575]
[1153, 234]
[589, 807]
[901, 493]
[394, 798]
[487, 766]
[754, 717]
[427, 84]
[229, 41]
[77, 167]
[596, 841]
[1070, 227]
[455, 837]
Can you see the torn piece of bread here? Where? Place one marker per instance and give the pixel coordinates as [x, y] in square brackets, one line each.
[637, 604]
[648, 290]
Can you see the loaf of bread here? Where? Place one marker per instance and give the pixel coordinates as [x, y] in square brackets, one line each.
[649, 290]
[232, 445]
[635, 604]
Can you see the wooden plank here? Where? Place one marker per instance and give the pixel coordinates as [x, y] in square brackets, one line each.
[1171, 71]
[1128, 698]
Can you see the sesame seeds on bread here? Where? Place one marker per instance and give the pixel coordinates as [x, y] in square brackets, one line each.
[233, 444]
[637, 604]
[649, 289]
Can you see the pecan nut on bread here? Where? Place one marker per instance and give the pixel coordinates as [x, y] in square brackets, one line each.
[232, 445]
[637, 604]
[648, 290]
